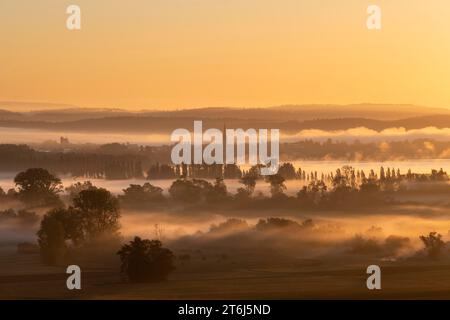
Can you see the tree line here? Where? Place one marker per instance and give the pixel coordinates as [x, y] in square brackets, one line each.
[125, 161]
[37, 187]
[93, 214]
[75, 164]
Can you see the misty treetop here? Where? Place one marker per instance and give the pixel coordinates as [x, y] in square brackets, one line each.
[38, 187]
[94, 216]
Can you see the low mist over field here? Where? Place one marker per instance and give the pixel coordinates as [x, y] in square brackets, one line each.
[351, 191]
[327, 174]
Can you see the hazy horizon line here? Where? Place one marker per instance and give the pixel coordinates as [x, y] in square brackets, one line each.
[40, 106]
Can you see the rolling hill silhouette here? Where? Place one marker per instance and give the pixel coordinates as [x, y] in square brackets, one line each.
[152, 124]
[53, 113]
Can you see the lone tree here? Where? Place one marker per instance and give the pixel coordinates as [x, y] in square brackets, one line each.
[146, 260]
[433, 244]
[38, 187]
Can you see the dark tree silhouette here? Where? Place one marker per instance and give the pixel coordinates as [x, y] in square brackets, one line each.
[277, 185]
[161, 171]
[315, 191]
[218, 192]
[249, 181]
[136, 195]
[230, 225]
[184, 190]
[287, 171]
[38, 187]
[58, 227]
[231, 171]
[99, 212]
[95, 214]
[52, 240]
[271, 224]
[146, 260]
[433, 244]
[74, 189]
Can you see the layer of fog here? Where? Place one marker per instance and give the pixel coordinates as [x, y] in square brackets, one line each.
[386, 235]
[16, 135]
[368, 135]
[293, 186]
[332, 233]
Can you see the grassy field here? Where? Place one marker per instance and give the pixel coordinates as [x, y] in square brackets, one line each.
[23, 277]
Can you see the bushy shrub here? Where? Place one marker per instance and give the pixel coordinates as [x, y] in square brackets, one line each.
[146, 260]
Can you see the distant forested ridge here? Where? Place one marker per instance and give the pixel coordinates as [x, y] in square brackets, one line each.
[290, 119]
[158, 124]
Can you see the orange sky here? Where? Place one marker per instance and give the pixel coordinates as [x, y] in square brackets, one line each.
[165, 54]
